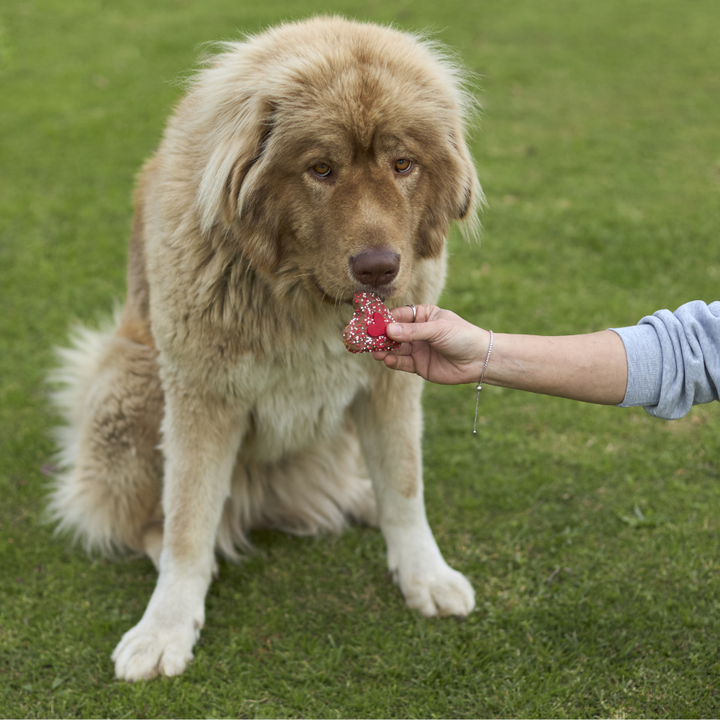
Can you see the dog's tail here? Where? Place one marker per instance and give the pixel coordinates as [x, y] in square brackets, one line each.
[106, 390]
[71, 380]
[77, 369]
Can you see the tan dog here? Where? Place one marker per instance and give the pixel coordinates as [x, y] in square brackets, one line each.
[306, 163]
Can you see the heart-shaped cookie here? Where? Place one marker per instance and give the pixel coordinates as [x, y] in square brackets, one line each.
[366, 330]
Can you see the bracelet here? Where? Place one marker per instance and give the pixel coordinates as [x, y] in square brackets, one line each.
[479, 385]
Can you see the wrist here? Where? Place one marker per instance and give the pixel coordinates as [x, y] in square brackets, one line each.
[502, 365]
[477, 344]
[485, 362]
[498, 368]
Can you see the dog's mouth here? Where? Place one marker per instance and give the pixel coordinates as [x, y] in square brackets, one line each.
[327, 297]
[384, 293]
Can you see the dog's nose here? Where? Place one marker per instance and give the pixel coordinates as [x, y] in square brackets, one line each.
[375, 267]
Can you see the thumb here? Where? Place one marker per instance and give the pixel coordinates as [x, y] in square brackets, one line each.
[409, 332]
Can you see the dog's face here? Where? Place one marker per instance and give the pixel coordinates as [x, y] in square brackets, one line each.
[354, 167]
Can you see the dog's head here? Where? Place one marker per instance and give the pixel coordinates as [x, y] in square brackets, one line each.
[335, 151]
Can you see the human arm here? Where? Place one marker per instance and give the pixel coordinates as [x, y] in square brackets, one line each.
[444, 348]
[666, 363]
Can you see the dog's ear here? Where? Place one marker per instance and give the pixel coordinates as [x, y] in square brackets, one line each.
[457, 195]
[469, 196]
[231, 195]
[231, 208]
[469, 202]
[250, 212]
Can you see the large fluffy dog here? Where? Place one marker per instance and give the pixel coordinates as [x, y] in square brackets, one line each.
[306, 163]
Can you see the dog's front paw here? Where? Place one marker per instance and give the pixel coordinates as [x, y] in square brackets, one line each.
[150, 649]
[428, 583]
[443, 591]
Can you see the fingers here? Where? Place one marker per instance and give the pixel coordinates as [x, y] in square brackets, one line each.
[404, 349]
[404, 313]
[398, 359]
[406, 363]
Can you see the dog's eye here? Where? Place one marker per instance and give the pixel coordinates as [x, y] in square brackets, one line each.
[322, 169]
[403, 165]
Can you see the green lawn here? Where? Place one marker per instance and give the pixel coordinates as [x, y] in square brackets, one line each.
[590, 534]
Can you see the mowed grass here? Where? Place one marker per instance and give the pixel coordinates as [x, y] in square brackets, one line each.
[590, 534]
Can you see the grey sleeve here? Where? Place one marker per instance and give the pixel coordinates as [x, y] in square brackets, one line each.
[673, 359]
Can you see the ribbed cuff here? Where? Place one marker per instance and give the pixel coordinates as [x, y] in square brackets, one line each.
[645, 365]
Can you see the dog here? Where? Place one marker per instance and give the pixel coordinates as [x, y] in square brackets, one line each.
[306, 163]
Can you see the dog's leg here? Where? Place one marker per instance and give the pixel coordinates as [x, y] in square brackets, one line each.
[201, 440]
[390, 425]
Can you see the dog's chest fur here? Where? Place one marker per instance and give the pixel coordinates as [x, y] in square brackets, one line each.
[298, 405]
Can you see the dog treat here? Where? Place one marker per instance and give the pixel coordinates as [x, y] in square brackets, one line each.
[366, 330]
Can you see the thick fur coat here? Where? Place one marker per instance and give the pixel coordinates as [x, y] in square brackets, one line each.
[304, 164]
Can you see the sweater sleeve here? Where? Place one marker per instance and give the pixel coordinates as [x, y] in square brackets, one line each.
[673, 359]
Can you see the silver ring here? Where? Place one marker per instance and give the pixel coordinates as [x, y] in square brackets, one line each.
[414, 309]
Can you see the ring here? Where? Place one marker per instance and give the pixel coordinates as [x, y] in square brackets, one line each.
[414, 309]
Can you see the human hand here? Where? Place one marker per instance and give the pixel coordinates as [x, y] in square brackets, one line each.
[439, 346]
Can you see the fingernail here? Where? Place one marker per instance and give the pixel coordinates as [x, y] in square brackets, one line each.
[394, 330]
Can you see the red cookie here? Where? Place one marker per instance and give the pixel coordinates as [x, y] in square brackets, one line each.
[366, 330]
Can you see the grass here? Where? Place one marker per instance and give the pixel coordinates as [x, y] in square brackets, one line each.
[590, 534]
